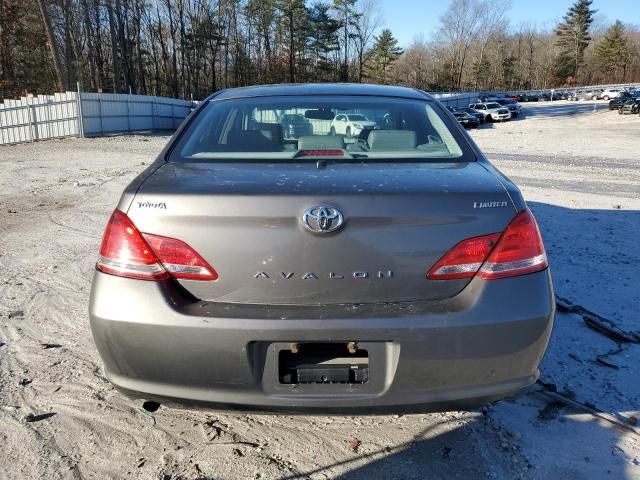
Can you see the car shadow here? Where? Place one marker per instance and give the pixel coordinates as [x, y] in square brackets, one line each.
[535, 436]
[486, 125]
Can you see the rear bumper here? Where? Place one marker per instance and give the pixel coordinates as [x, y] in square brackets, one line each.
[486, 343]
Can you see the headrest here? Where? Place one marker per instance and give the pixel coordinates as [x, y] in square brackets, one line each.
[250, 141]
[392, 140]
[320, 142]
[272, 131]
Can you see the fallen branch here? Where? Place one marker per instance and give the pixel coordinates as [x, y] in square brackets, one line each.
[600, 359]
[620, 420]
[597, 322]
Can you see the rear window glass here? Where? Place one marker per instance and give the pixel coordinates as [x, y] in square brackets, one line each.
[296, 128]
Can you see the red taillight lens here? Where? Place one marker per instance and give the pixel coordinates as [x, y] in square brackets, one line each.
[463, 260]
[126, 252]
[179, 259]
[517, 251]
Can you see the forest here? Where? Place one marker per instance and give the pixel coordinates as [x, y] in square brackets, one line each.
[190, 48]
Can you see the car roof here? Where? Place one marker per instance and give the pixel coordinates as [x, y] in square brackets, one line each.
[321, 89]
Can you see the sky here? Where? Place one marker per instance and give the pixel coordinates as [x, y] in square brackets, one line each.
[409, 18]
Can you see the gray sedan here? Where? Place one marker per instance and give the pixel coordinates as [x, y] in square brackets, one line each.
[393, 270]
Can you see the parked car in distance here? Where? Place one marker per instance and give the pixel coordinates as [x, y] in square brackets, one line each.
[466, 120]
[397, 272]
[527, 97]
[618, 101]
[294, 125]
[584, 95]
[492, 111]
[490, 97]
[630, 106]
[350, 124]
[610, 93]
[471, 111]
[514, 107]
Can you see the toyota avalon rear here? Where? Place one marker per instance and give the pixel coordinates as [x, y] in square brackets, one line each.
[390, 269]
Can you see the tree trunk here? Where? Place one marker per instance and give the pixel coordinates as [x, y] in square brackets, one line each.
[142, 87]
[95, 80]
[55, 56]
[292, 48]
[68, 49]
[114, 47]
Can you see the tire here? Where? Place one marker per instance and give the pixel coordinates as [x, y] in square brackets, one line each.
[332, 131]
[620, 111]
[606, 97]
[348, 132]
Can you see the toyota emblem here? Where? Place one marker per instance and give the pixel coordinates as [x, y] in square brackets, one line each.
[323, 219]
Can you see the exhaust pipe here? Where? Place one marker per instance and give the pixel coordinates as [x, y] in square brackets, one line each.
[150, 406]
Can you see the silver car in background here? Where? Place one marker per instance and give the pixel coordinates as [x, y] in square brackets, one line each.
[492, 111]
[393, 270]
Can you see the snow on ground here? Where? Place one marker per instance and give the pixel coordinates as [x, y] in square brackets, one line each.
[580, 173]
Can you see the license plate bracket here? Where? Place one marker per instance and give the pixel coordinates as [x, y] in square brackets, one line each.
[323, 363]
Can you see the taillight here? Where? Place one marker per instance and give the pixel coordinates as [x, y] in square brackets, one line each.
[516, 251]
[463, 260]
[519, 251]
[179, 259]
[126, 252]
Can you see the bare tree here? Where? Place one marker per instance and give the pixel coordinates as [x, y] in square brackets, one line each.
[367, 24]
[185, 48]
[463, 24]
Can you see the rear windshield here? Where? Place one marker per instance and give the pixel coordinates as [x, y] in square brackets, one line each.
[493, 105]
[261, 129]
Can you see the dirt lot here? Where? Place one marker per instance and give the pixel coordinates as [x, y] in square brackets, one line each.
[59, 417]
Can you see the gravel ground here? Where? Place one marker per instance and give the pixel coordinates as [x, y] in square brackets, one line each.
[59, 417]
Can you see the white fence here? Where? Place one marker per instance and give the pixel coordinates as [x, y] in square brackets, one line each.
[87, 114]
[36, 118]
[94, 114]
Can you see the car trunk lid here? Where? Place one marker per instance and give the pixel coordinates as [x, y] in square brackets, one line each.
[246, 220]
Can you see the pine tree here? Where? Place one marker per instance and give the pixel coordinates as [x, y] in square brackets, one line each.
[384, 52]
[323, 40]
[481, 71]
[573, 39]
[293, 18]
[613, 51]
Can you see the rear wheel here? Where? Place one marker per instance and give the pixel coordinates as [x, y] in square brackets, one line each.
[606, 97]
[348, 132]
[332, 131]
